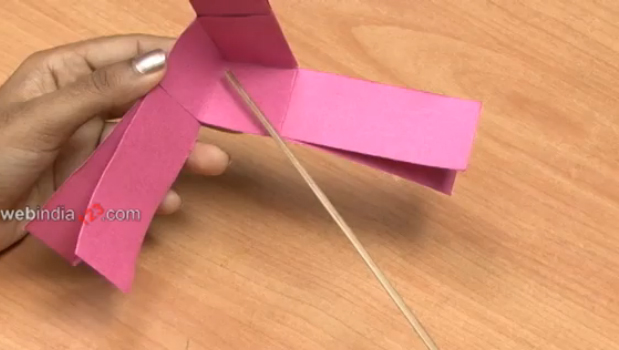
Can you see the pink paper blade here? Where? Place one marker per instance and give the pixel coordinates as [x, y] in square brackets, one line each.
[381, 120]
[416, 135]
[132, 169]
[135, 181]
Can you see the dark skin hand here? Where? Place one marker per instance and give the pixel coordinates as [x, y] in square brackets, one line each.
[56, 108]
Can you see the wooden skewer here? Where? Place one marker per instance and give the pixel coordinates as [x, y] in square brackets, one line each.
[395, 296]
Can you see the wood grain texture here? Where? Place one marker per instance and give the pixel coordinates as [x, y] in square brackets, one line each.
[525, 255]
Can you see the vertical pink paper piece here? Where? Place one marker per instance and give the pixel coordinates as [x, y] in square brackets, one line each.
[257, 40]
[74, 195]
[148, 160]
[230, 7]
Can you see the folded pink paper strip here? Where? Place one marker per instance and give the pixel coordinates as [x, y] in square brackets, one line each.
[419, 136]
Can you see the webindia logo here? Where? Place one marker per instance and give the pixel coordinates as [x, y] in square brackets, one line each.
[38, 214]
[61, 213]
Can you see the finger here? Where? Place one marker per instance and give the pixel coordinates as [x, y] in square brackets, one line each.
[46, 68]
[170, 204]
[101, 52]
[44, 123]
[208, 160]
[12, 232]
[107, 130]
[78, 59]
[216, 128]
[104, 51]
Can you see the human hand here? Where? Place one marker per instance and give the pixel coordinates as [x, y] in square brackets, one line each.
[55, 110]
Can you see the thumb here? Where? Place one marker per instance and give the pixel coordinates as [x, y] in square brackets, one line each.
[45, 123]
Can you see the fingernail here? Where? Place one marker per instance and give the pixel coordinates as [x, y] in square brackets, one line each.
[150, 62]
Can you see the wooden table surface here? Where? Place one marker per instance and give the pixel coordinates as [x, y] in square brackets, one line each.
[524, 255]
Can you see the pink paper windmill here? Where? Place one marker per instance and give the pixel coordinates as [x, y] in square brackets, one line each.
[422, 137]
